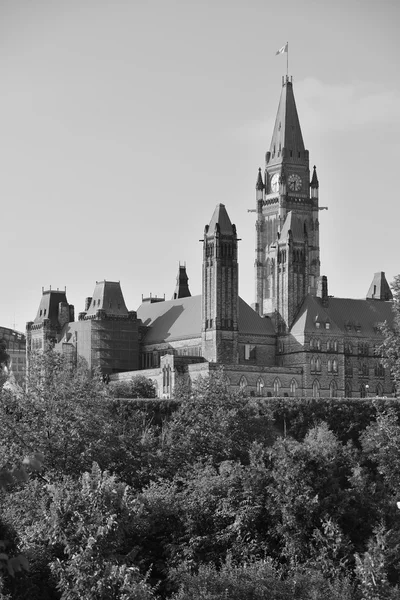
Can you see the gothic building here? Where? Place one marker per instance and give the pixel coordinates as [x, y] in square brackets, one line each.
[295, 340]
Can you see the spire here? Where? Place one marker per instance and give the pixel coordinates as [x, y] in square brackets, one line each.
[379, 288]
[182, 286]
[221, 219]
[259, 183]
[314, 179]
[287, 144]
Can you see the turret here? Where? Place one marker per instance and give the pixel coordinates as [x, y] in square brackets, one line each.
[182, 286]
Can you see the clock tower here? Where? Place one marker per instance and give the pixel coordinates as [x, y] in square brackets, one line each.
[287, 264]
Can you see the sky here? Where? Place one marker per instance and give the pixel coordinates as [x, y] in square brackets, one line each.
[124, 123]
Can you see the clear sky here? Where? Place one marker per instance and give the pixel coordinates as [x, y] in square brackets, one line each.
[124, 123]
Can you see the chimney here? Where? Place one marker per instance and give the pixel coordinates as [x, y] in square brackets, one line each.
[322, 289]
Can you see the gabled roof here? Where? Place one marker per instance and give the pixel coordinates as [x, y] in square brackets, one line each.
[345, 315]
[107, 296]
[181, 319]
[221, 217]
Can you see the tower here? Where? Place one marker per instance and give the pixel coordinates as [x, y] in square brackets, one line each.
[219, 332]
[287, 263]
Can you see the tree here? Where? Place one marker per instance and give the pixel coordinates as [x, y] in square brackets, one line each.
[390, 347]
[213, 423]
[137, 387]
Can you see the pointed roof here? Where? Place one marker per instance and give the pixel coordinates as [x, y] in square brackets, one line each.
[221, 218]
[107, 296]
[287, 139]
[379, 288]
[182, 286]
[314, 180]
[259, 183]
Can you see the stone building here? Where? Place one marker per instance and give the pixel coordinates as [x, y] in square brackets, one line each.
[295, 340]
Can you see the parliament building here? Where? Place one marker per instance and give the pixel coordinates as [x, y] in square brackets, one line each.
[295, 340]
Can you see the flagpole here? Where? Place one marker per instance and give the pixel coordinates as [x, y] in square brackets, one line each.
[287, 62]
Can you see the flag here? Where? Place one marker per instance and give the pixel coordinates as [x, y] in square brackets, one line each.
[283, 49]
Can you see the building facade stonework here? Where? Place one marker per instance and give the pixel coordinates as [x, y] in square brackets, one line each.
[295, 340]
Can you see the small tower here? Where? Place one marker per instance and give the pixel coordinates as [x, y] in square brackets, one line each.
[220, 290]
[182, 286]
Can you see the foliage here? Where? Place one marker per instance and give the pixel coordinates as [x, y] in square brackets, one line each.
[138, 386]
[213, 422]
[91, 522]
[390, 347]
[257, 579]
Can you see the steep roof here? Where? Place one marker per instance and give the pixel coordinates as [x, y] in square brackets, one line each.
[345, 315]
[221, 217]
[107, 296]
[287, 131]
[182, 286]
[181, 319]
[379, 288]
[48, 308]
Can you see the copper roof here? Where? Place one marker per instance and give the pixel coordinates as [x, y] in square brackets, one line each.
[181, 319]
[221, 217]
[287, 132]
[48, 308]
[344, 315]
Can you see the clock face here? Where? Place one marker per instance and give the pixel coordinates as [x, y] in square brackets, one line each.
[275, 183]
[294, 182]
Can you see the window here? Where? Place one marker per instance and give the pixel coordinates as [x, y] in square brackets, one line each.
[316, 389]
[333, 389]
[277, 387]
[379, 370]
[293, 388]
[327, 325]
[243, 383]
[260, 386]
[347, 391]
[335, 365]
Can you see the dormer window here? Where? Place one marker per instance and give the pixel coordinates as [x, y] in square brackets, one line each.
[327, 325]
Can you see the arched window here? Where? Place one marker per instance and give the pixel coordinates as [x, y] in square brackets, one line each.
[329, 365]
[335, 365]
[347, 390]
[379, 370]
[316, 389]
[260, 386]
[293, 388]
[313, 367]
[277, 387]
[333, 389]
[318, 365]
[363, 392]
[243, 382]
[379, 390]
